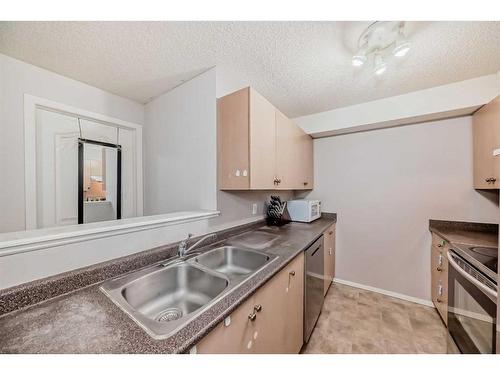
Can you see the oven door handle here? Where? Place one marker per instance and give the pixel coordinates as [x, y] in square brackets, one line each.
[488, 291]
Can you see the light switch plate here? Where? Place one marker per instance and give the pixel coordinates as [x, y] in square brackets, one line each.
[254, 209]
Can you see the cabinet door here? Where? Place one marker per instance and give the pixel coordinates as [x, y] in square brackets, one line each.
[280, 320]
[294, 306]
[307, 162]
[495, 114]
[329, 248]
[262, 142]
[294, 155]
[232, 140]
[237, 337]
[486, 132]
[289, 148]
[277, 326]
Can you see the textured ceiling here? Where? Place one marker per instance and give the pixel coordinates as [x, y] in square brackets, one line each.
[302, 67]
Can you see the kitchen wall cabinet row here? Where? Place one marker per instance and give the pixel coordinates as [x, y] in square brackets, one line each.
[259, 148]
[270, 321]
[486, 133]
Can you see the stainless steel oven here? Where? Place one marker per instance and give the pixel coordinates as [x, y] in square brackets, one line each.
[472, 298]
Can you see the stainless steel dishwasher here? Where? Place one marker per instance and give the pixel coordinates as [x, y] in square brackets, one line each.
[314, 297]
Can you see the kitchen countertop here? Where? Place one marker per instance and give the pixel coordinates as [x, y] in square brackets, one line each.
[86, 321]
[464, 233]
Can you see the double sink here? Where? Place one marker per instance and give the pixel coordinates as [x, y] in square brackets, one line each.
[164, 298]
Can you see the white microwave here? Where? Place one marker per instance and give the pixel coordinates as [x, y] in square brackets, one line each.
[304, 210]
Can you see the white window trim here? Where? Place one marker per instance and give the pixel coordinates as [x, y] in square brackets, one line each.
[22, 242]
[31, 103]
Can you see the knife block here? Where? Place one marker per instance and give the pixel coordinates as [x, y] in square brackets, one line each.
[278, 222]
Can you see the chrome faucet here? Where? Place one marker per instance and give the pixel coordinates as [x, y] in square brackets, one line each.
[183, 246]
[182, 250]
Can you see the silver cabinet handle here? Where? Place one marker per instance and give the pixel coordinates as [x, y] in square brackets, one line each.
[252, 317]
[440, 263]
[440, 293]
[257, 308]
[290, 275]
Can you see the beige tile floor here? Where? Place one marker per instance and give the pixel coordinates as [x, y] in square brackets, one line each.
[359, 321]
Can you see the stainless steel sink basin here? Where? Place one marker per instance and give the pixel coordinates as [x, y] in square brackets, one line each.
[164, 298]
[232, 261]
[173, 292]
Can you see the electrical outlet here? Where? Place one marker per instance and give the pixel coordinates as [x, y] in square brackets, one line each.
[254, 209]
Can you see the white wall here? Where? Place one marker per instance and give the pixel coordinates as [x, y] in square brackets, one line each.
[178, 133]
[180, 150]
[230, 80]
[385, 185]
[18, 78]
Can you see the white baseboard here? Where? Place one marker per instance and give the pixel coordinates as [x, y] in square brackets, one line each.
[385, 292]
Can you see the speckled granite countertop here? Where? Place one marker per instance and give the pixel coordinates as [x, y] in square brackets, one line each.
[86, 321]
[473, 234]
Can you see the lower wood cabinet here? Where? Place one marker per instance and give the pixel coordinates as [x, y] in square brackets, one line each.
[271, 321]
[439, 276]
[329, 248]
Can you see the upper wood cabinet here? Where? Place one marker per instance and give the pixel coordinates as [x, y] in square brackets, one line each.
[262, 144]
[259, 148]
[486, 133]
[294, 155]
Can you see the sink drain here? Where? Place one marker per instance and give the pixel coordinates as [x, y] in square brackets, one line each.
[169, 315]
